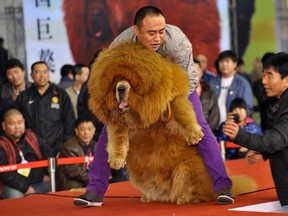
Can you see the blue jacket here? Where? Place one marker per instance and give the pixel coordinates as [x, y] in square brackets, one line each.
[240, 87]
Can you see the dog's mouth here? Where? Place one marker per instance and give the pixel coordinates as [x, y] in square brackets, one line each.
[124, 106]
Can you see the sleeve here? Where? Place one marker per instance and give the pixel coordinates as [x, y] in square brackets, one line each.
[19, 102]
[184, 57]
[271, 142]
[125, 36]
[82, 101]
[220, 135]
[248, 97]
[12, 179]
[68, 116]
[74, 171]
[214, 115]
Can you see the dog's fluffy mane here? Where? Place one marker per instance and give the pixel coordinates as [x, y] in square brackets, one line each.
[134, 63]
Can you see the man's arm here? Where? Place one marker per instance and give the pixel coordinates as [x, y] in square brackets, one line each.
[179, 50]
[68, 116]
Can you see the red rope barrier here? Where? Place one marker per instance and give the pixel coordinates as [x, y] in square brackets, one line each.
[44, 163]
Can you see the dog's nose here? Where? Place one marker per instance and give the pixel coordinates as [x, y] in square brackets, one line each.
[121, 89]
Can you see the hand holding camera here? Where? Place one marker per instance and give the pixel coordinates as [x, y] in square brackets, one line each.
[233, 117]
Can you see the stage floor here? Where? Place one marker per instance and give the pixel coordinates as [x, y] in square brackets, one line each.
[123, 199]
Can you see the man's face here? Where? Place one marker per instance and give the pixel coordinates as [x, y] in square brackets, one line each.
[227, 67]
[40, 75]
[84, 74]
[273, 83]
[199, 71]
[85, 131]
[16, 76]
[152, 32]
[14, 126]
[203, 61]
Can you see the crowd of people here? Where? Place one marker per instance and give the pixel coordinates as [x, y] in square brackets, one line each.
[41, 119]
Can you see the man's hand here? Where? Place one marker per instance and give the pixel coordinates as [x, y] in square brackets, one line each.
[30, 191]
[252, 157]
[231, 129]
[46, 178]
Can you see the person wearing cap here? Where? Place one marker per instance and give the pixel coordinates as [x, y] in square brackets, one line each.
[273, 144]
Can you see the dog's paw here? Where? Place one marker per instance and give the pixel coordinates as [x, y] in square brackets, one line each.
[145, 199]
[195, 136]
[182, 200]
[116, 163]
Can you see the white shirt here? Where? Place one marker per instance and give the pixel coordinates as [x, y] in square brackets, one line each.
[225, 84]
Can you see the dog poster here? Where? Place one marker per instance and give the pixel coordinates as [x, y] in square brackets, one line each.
[67, 32]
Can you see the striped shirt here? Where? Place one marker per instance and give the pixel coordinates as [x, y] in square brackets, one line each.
[176, 47]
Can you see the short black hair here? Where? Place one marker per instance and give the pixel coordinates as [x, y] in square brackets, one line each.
[238, 103]
[66, 69]
[197, 62]
[77, 69]
[84, 118]
[240, 61]
[145, 11]
[12, 63]
[228, 54]
[279, 62]
[266, 56]
[38, 62]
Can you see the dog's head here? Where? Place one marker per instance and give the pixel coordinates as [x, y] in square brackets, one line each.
[132, 85]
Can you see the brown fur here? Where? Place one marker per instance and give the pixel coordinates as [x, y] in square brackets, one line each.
[131, 89]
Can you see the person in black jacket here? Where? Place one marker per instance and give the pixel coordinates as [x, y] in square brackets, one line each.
[47, 109]
[273, 144]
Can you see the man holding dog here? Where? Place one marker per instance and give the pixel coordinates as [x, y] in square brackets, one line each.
[151, 30]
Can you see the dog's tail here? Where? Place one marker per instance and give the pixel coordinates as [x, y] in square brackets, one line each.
[243, 184]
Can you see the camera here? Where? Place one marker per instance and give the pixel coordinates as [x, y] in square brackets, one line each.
[236, 118]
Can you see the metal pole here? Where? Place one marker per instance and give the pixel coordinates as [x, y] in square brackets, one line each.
[223, 149]
[52, 171]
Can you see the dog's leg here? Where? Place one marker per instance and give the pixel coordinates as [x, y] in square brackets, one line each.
[185, 117]
[191, 182]
[118, 146]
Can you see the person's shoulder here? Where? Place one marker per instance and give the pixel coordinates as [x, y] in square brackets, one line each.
[242, 80]
[31, 90]
[72, 144]
[124, 36]
[6, 85]
[31, 134]
[240, 77]
[214, 80]
[174, 33]
[57, 90]
[173, 28]
[69, 89]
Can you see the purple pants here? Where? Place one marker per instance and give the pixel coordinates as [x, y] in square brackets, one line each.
[208, 147]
